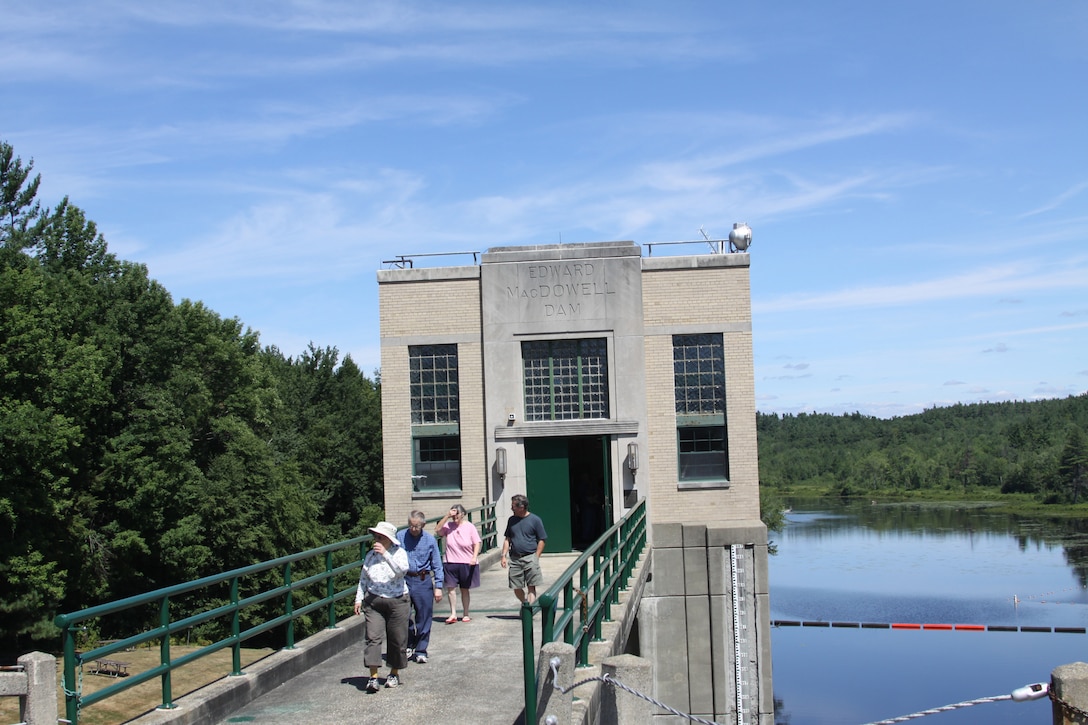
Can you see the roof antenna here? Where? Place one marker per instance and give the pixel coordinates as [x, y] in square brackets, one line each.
[714, 247]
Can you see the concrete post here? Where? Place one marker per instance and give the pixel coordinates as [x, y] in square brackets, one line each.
[619, 707]
[1069, 687]
[40, 705]
[551, 703]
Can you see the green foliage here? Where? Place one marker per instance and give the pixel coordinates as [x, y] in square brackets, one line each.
[143, 443]
[984, 449]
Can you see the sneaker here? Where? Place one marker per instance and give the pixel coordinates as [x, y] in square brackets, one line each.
[411, 653]
[421, 659]
[392, 681]
[372, 685]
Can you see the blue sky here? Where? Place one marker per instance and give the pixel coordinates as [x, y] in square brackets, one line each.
[915, 173]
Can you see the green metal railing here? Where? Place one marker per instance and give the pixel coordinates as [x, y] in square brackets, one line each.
[576, 612]
[320, 577]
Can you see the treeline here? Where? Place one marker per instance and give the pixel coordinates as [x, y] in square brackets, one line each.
[1038, 448]
[145, 443]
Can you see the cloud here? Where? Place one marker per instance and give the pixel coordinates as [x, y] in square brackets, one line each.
[999, 347]
[986, 281]
[1057, 201]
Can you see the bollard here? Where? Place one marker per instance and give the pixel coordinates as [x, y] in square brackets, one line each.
[1069, 693]
[553, 706]
[40, 705]
[619, 707]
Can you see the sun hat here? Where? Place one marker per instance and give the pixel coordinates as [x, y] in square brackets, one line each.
[384, 528]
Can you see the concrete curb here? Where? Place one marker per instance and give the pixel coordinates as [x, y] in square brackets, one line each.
[218, 700]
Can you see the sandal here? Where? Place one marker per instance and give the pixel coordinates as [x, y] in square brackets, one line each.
[466, 619]
[451, 620]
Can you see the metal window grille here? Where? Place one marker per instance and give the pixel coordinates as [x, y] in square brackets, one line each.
[433, 384]
[565, 379]
[698, 363]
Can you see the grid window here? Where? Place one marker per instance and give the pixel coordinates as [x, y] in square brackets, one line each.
[699, 383]
[565, 379]
[437, 463]
[701, 452]
[436, 442]
[433, 384]
[698, 365]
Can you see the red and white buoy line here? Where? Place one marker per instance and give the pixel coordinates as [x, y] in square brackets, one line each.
[913, 625]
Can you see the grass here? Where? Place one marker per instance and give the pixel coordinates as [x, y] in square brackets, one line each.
[144, 697]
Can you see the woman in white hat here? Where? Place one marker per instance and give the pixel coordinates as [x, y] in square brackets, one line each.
[383, 596]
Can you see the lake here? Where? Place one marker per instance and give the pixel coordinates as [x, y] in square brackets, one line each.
[923, 564]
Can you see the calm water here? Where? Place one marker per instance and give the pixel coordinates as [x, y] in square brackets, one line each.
[922, 564]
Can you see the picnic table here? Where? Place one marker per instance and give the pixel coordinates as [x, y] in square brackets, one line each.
[112, 668]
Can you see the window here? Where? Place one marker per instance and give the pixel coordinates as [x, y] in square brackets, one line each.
[436, 430]
[699, 384]
[565, 379]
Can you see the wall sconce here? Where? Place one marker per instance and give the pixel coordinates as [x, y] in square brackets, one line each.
[500, 462]
[632, 457]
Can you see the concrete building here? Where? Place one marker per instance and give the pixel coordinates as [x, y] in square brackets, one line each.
[587, 376]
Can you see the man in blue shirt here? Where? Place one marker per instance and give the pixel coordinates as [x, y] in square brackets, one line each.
[424, 582]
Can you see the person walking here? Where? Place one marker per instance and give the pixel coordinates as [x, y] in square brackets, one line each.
[462, 567]
[383, 596]
[424, 579]
[524, 543]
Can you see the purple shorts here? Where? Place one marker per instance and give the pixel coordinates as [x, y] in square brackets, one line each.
[461, 576]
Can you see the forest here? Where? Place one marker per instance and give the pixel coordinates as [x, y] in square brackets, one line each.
[146, 442]
[1037, 449]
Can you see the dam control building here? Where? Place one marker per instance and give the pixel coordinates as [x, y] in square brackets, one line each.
[588, 376]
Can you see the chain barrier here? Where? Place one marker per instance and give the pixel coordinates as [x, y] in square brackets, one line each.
[1070, 712]
[1020, 694]
[554, 664]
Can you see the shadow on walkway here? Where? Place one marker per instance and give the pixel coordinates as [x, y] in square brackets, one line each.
[475, 673]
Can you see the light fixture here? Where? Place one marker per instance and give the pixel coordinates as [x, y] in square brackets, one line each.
[632, 457]
[740, 238]
[500, 462]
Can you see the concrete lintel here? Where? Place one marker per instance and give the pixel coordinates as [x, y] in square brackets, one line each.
[739, 532]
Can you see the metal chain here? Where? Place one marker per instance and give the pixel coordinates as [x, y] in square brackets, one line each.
[1068, 709]
[608, 680]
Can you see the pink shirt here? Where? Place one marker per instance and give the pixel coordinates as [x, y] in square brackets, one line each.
[461, 540]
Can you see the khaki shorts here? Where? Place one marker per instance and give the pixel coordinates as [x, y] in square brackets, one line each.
[524, 571]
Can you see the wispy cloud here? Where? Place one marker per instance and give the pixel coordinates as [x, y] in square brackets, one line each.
[988, 281]
[1057, 201]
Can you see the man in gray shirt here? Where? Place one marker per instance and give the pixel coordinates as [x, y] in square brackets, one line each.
[521, 549]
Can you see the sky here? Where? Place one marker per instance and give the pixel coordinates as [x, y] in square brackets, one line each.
[915, 173]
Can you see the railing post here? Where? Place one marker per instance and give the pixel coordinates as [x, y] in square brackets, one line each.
[164, 654]
[71, 687]
[617, 707]
[235, 629]
[1069, 692]
[330, 589]
[528, 662]
[290, 606]
[40, 704]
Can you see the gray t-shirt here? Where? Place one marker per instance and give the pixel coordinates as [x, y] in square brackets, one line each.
[524, 533]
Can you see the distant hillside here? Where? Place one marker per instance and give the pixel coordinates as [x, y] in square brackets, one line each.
[1038, 447]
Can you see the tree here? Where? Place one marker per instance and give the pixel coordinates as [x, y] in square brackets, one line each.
[18, 206]
[1073, 463]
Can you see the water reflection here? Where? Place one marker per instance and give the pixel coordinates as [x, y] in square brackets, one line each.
[922, 564]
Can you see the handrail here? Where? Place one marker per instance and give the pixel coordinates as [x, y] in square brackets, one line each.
[321, 583]
[604, 570]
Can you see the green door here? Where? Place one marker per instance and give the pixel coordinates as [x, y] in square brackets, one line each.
[547, 484]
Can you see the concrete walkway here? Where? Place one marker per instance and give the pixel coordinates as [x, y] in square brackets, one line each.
[475, 672]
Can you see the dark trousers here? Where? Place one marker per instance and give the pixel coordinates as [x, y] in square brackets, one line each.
[421, 592]
[386, 618]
